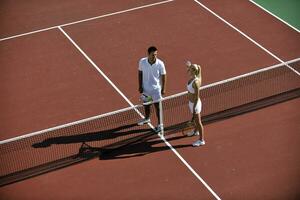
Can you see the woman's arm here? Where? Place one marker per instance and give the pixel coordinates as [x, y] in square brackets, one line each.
[196, 86]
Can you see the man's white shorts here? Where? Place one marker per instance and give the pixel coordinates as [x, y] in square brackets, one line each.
[155, 94]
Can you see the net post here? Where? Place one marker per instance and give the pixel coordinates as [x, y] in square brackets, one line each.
[161, 121]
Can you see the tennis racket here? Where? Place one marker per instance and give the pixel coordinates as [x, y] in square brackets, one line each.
[146, 99]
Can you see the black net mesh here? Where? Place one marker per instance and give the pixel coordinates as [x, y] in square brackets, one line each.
[61, 146]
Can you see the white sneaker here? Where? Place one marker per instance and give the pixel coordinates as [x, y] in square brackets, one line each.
[192, 133]
[144, 121]
[199, 143]
[158, 129]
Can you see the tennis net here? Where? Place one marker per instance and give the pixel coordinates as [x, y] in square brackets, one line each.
[61, 146]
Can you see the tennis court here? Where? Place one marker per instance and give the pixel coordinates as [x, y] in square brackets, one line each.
[69, 84]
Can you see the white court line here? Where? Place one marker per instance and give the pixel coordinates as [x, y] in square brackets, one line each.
[95, 66]
[85, 20]
[278, 18]
[132, 105]
[249, 38]
[191, 169]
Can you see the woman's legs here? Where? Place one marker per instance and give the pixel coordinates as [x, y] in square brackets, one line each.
[198, 129]
[199, 126]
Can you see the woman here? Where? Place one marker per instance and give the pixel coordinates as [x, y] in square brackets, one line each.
[195, 104]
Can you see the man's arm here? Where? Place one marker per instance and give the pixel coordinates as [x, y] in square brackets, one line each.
[140, 81]
[163, 83]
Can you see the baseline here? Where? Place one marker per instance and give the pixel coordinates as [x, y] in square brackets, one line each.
[85, 20]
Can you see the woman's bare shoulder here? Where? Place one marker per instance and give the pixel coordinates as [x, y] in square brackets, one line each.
[197, 82]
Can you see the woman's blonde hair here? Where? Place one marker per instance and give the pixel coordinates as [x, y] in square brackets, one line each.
[197, 69]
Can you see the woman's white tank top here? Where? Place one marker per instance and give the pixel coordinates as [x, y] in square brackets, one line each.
[190, 86]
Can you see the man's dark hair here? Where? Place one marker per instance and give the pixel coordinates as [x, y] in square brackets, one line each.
[152, 49]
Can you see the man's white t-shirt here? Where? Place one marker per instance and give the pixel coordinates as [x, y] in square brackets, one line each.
[152, 74]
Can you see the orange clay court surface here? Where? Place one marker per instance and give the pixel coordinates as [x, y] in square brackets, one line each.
[46, 81]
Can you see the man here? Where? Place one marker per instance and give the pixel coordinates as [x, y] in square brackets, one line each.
[152, 83]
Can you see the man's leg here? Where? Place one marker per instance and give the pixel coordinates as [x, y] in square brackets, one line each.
[147, 111]
[159, 127]
[147, 116]
[157, 110]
